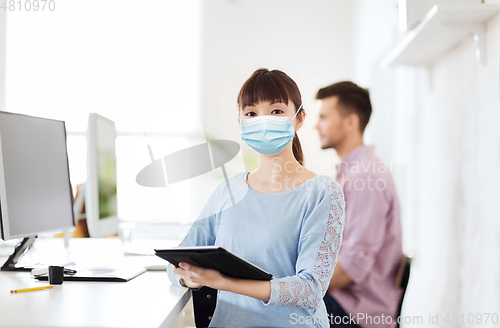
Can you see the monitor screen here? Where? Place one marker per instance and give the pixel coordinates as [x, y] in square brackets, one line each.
[100, 194]
[35, 190]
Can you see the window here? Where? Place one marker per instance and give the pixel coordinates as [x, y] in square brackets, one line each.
[133, 62]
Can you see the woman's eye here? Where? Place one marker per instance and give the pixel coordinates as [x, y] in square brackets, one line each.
[277, 111]
[250, 114]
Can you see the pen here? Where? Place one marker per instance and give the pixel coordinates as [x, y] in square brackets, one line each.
[15, 291]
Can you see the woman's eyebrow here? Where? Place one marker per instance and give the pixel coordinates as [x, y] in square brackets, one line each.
[246, 107]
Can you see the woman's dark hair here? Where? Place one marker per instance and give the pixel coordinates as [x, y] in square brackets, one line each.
[275, 85]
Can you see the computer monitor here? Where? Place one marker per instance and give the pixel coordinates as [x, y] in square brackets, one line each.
[100, 188]
[35, 189]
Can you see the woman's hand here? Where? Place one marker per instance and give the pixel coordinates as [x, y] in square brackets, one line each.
[195, 277]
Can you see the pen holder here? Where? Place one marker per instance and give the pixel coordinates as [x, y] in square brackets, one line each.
[56, 275]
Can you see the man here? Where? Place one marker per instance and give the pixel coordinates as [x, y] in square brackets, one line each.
[363, 284]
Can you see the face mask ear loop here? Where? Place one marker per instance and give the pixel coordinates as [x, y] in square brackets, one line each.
[298, 111]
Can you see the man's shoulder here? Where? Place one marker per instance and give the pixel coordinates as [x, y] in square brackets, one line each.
[369, 166]
[369, 174]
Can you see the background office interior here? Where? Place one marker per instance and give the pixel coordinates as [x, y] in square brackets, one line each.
[168, 73]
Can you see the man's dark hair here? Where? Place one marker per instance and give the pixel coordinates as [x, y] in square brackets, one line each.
[352, 98]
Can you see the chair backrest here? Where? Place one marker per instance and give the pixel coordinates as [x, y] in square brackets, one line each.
[204, 302]
[402, 280]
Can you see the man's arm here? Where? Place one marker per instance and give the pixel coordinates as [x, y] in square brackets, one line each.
[340, 278]
[364, 233]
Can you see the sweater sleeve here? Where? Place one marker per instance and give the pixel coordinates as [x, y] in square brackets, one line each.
[202, 232]
[319, 244]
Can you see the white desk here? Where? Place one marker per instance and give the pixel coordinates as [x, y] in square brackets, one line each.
[149, 300]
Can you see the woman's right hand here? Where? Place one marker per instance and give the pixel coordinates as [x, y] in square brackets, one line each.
[195, 277]
[184, 280]
[190, 284]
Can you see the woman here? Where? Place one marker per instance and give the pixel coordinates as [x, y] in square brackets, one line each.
[286, 219]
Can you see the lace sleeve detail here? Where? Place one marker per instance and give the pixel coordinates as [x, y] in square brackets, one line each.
[307, 288]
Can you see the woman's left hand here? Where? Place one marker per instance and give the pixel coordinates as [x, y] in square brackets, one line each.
[196, 277]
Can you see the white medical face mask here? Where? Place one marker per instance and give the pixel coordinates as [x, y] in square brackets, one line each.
[268, 134]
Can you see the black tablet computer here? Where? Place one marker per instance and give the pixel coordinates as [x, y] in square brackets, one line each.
[214, 257]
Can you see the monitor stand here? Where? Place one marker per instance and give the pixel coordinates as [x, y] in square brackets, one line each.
[21, 248]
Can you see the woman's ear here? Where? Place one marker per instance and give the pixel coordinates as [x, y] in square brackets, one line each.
[301, 118]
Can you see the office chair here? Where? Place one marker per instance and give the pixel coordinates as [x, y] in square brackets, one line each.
[204, 302]
[402, 281]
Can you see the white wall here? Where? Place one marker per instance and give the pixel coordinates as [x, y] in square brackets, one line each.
[308, 40]
[442, 128]
[2, 59]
